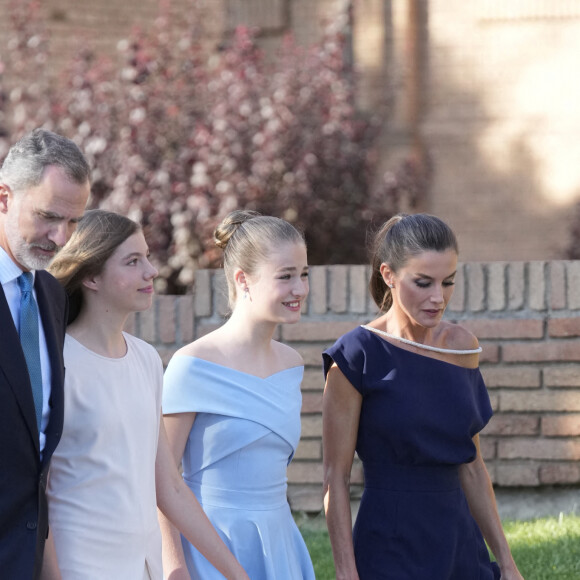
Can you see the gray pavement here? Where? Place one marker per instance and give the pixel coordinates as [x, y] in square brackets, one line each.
[526, 504]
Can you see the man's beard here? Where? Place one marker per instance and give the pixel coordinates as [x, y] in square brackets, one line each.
[24, 252]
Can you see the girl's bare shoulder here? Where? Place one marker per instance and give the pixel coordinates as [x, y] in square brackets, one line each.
[204, 347]
[287, 355]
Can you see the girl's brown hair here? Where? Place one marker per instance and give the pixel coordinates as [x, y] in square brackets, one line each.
[98, 235]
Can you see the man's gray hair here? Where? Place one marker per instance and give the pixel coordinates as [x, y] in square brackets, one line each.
[28, 158]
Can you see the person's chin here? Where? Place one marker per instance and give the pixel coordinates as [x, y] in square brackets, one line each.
[431, 319]
[34, 261]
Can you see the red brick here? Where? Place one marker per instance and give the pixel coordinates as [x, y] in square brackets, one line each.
[202, 293]
[357, 473]
[305, 472]
[220, 293]
[311, 426]
[358, 277]
[488, 447]
[317, 298]
[311, 354]
[561, 376]
[502, 424]
[313, 380]
[516, 285]
[309, 449]
[457, 302]
[505, 328]
[312, 403]
[514, 475]
[337, 288]
[566, 350]
[557, 285]
[489, 354]
[165, 354]
[476, 286]
[512, 376]
[537, 285]
[166, 317]
[536, 448]
[311, 331]
[560, 474]
[539, 402]
[564, 327]
[572, 284]
[496, 298]
[561, 425]
[186, 318]
[147, 324]
[305, 498]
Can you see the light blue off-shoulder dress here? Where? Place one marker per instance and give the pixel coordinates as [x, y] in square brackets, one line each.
[243, 438]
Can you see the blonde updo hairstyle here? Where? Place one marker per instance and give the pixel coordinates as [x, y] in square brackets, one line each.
[401, 238]
[98, 235]
[247, 239]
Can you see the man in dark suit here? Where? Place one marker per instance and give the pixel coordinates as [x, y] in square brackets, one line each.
[44, 187]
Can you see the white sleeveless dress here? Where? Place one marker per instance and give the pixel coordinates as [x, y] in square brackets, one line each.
[102, 503]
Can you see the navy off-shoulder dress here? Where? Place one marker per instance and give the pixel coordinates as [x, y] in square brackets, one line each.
[417, 421]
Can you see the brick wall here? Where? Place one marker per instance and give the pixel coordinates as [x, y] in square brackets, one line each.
[500, 125]
[526, 315]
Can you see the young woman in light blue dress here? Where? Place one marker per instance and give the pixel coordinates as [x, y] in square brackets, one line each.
[232, 407]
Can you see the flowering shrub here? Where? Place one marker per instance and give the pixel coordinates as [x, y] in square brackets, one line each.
[179, 136]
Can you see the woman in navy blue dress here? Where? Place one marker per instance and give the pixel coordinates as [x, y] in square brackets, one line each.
[406, 394]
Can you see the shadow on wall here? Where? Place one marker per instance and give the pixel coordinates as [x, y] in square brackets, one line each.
[500, 122]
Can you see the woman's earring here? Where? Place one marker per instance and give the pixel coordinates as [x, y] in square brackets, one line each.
[246, 292]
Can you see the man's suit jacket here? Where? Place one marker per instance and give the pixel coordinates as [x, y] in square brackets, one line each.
[23, 505]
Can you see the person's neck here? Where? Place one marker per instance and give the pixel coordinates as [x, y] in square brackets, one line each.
[7, 253]
[243, 330]
[402, 327]
[101, 334]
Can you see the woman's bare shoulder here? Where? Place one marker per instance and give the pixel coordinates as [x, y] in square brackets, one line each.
[457, 337]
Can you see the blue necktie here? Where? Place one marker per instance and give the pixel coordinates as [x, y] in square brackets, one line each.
[29, 340]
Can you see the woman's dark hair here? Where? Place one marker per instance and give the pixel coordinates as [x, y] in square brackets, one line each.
[96, 238]
[400, 238]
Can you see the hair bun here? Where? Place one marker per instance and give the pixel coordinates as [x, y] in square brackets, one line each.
[228, 227]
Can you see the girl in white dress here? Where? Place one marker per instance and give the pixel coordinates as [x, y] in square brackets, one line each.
[113, 465]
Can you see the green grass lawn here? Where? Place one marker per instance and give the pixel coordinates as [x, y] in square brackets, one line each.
[544, 549]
